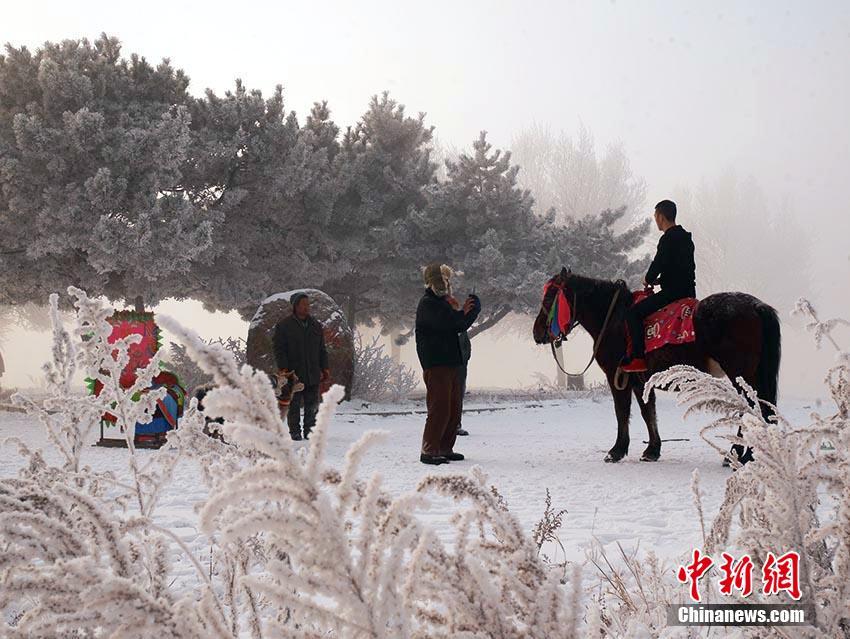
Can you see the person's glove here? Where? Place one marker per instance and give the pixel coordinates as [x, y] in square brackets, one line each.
[477, 301]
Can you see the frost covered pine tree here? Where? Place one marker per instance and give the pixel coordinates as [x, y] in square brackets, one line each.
[482, 222]
[383, 167]
[91, 149]
[479, 221]
[272, 182]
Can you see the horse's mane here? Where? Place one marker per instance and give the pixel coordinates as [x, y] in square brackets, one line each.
[600, 292]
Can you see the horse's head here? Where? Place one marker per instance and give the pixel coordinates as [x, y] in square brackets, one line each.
[556, 317]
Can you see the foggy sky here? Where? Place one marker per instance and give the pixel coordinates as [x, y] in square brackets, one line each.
[690, 88]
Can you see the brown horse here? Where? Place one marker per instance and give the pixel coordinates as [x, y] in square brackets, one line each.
[737, 335]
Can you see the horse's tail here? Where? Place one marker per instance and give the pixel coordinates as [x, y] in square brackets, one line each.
[771, 354]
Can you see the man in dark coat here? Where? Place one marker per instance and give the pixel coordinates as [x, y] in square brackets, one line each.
[674, 268]
[438, 348]
[299, 345]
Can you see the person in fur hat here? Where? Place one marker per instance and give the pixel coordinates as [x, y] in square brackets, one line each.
[438, 349]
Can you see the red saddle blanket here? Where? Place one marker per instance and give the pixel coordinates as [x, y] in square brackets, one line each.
[673, 324]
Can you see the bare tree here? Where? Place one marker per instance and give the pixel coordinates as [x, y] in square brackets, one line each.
[568, 175]
[743, 242]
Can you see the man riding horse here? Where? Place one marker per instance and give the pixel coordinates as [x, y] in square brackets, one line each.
[728, 334]
[674, 268]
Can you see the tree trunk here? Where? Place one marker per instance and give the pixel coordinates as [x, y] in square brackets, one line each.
[575, 382]
[395, 349]
[140, 304]
[560, 378]
[351, 311]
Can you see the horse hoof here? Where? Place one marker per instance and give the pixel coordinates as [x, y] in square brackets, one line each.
[613, 458]
[650, 457]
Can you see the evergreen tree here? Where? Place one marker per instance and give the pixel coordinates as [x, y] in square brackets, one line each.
[482, 222]
[271, 182]
[383, 167]
[91, 150]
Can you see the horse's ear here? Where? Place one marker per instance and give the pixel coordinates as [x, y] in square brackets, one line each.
[564, 272]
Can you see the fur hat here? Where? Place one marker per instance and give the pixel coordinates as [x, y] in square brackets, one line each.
[438, 278]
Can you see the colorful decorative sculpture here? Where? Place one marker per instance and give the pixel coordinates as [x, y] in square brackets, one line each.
[169, 409]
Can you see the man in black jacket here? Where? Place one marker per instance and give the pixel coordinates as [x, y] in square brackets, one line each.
[299, 345]
[674, 268]
[437, 328]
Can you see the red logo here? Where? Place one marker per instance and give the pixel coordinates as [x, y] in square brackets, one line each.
[694, 571]
[737, 575]
[782, 573]
[779, 574]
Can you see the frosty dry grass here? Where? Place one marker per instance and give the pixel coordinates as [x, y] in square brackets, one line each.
[297, 549]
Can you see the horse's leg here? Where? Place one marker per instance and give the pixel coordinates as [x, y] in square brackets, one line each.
[647, 410]
[735, 368]
[622, 408]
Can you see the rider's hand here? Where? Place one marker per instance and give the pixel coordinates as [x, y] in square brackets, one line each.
[468, 305]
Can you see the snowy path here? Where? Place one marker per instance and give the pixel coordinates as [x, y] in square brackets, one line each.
[557, 445]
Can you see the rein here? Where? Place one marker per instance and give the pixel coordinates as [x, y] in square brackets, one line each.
[596, 342]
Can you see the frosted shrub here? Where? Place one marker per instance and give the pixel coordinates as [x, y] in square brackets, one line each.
[190, 373]
[377, 377]
[300, 549]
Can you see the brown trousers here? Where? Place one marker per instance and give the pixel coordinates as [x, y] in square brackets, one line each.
[442, 384]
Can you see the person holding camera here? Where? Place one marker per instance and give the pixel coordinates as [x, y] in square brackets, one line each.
[438, 349]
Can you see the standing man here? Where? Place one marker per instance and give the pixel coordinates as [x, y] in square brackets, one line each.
[299, 346]
[438, 348]
[674, 268]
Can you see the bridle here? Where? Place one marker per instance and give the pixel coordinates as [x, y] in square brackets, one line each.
[562, 337]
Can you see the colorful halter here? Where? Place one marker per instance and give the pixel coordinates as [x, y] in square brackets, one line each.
[560, 314]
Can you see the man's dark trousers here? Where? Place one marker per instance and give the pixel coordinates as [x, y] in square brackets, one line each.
[309, 399]
[643, 309]
[442, 384]
[462, 374]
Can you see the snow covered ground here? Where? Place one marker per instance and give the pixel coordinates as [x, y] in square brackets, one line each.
[524, 446]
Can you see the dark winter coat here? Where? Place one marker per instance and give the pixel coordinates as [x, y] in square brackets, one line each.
[437, 328]
[673, 266]
[465, 347]
[300, 347]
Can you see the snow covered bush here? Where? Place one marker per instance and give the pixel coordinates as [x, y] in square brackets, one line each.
[377, 377]
[190, 373]
[300, 549]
